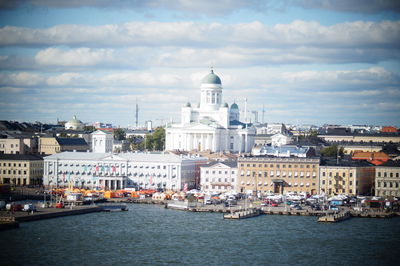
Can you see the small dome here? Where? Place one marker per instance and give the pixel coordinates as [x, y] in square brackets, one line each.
[234, 106]
[188, 104]
[226, 105]
[211, 78]
[74, 124]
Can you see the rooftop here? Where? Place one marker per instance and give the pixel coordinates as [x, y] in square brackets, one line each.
[20, 157]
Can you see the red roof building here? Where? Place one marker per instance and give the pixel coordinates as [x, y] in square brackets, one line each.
[376, 158]
[389, 129]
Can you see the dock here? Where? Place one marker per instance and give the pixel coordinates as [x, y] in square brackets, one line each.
[48, 213]
[335, 217]
[243, 214]
[8, 223]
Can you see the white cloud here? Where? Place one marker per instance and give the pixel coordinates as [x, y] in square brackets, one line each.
[77, 57]
[24, 79]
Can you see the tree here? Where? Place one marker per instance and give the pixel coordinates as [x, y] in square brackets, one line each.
[119, 134]
[332, 151]
[89, 128]
[154, 141]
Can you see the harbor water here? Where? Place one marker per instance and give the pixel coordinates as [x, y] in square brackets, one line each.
[153, 235]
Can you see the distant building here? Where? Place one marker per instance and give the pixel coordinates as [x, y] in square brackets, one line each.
[284, 151]
[218, 177]
[281, 139]
[209, 125]
[102, 141]
[387, 179]
[21, 169]
[346, 177]
[116, 171]
[389, 129]
[342, 136]
[262, 175]
[52, 145]
[376, 158]
[74, 124]
[18, 145]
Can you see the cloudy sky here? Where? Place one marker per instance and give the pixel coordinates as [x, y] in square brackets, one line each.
[305, 61]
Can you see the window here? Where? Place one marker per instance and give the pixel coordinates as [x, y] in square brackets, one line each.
[351, 174]
[323, 182]
[207, 172]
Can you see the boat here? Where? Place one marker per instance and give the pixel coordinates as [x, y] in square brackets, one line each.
[243, 214]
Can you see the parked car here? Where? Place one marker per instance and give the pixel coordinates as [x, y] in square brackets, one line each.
[209, 202]
[298, 207]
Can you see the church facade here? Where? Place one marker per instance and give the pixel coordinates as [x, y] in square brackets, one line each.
[211, 125]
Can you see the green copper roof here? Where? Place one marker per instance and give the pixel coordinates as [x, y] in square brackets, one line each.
[234, 106]
[211, 78]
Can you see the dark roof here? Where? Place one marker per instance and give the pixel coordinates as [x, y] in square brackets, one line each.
[391, 163]
[71, 141]
[20, 157]
[232, 164]
[344, 162]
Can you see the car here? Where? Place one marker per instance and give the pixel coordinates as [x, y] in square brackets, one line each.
[209, 202]
[316, 207]
[274, 204]
[298, 207]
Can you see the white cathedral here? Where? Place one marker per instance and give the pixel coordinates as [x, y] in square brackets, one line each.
[212, 125]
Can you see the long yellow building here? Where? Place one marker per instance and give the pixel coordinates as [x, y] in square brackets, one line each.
[261, 175]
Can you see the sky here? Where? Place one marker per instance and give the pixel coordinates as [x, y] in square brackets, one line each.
[301, 61]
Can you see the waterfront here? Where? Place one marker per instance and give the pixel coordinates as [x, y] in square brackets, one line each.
[150, 234]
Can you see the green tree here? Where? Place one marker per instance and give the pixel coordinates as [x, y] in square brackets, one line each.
[89, 128]
[119, 134]
[154, 141]
[332, 151]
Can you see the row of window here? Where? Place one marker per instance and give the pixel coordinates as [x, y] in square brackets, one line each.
[112, 165]
[343, 182]
[220, 180]
[14, 164]
[337, 174]
[385, 174]
[278, 173]
[220, 172]
[388, 184]
[279, 165]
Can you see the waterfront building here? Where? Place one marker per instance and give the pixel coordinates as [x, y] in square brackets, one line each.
[18, 145]
[218, 177]
[102, 141]
[74, 124]
[387, 179]
[346, 177]
[260, 175]
[359, 137]
[116, 171]
[21, 169]
[52, 145]
[209, 126]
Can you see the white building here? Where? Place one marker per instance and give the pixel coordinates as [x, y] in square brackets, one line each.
[280, 139]
[74, 124]
[102, 141]
[116, 171]
[275, 128]
[212, 125]
[218, 177]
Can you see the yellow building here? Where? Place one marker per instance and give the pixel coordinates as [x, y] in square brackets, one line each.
[261, 175]
[21, 169]
[387, 179]
[53, 145]
[346, 177]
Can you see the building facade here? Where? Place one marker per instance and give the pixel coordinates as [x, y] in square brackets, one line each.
[262, 175]
[52, 145]
[102, 141]
[116, 171]
[218, 177]
[387, 179]
[21, 169]
[18, 145]
[212, 125]
[346, 177]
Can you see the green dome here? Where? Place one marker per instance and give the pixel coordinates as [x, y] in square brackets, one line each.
[211, 78]
[234, 106]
